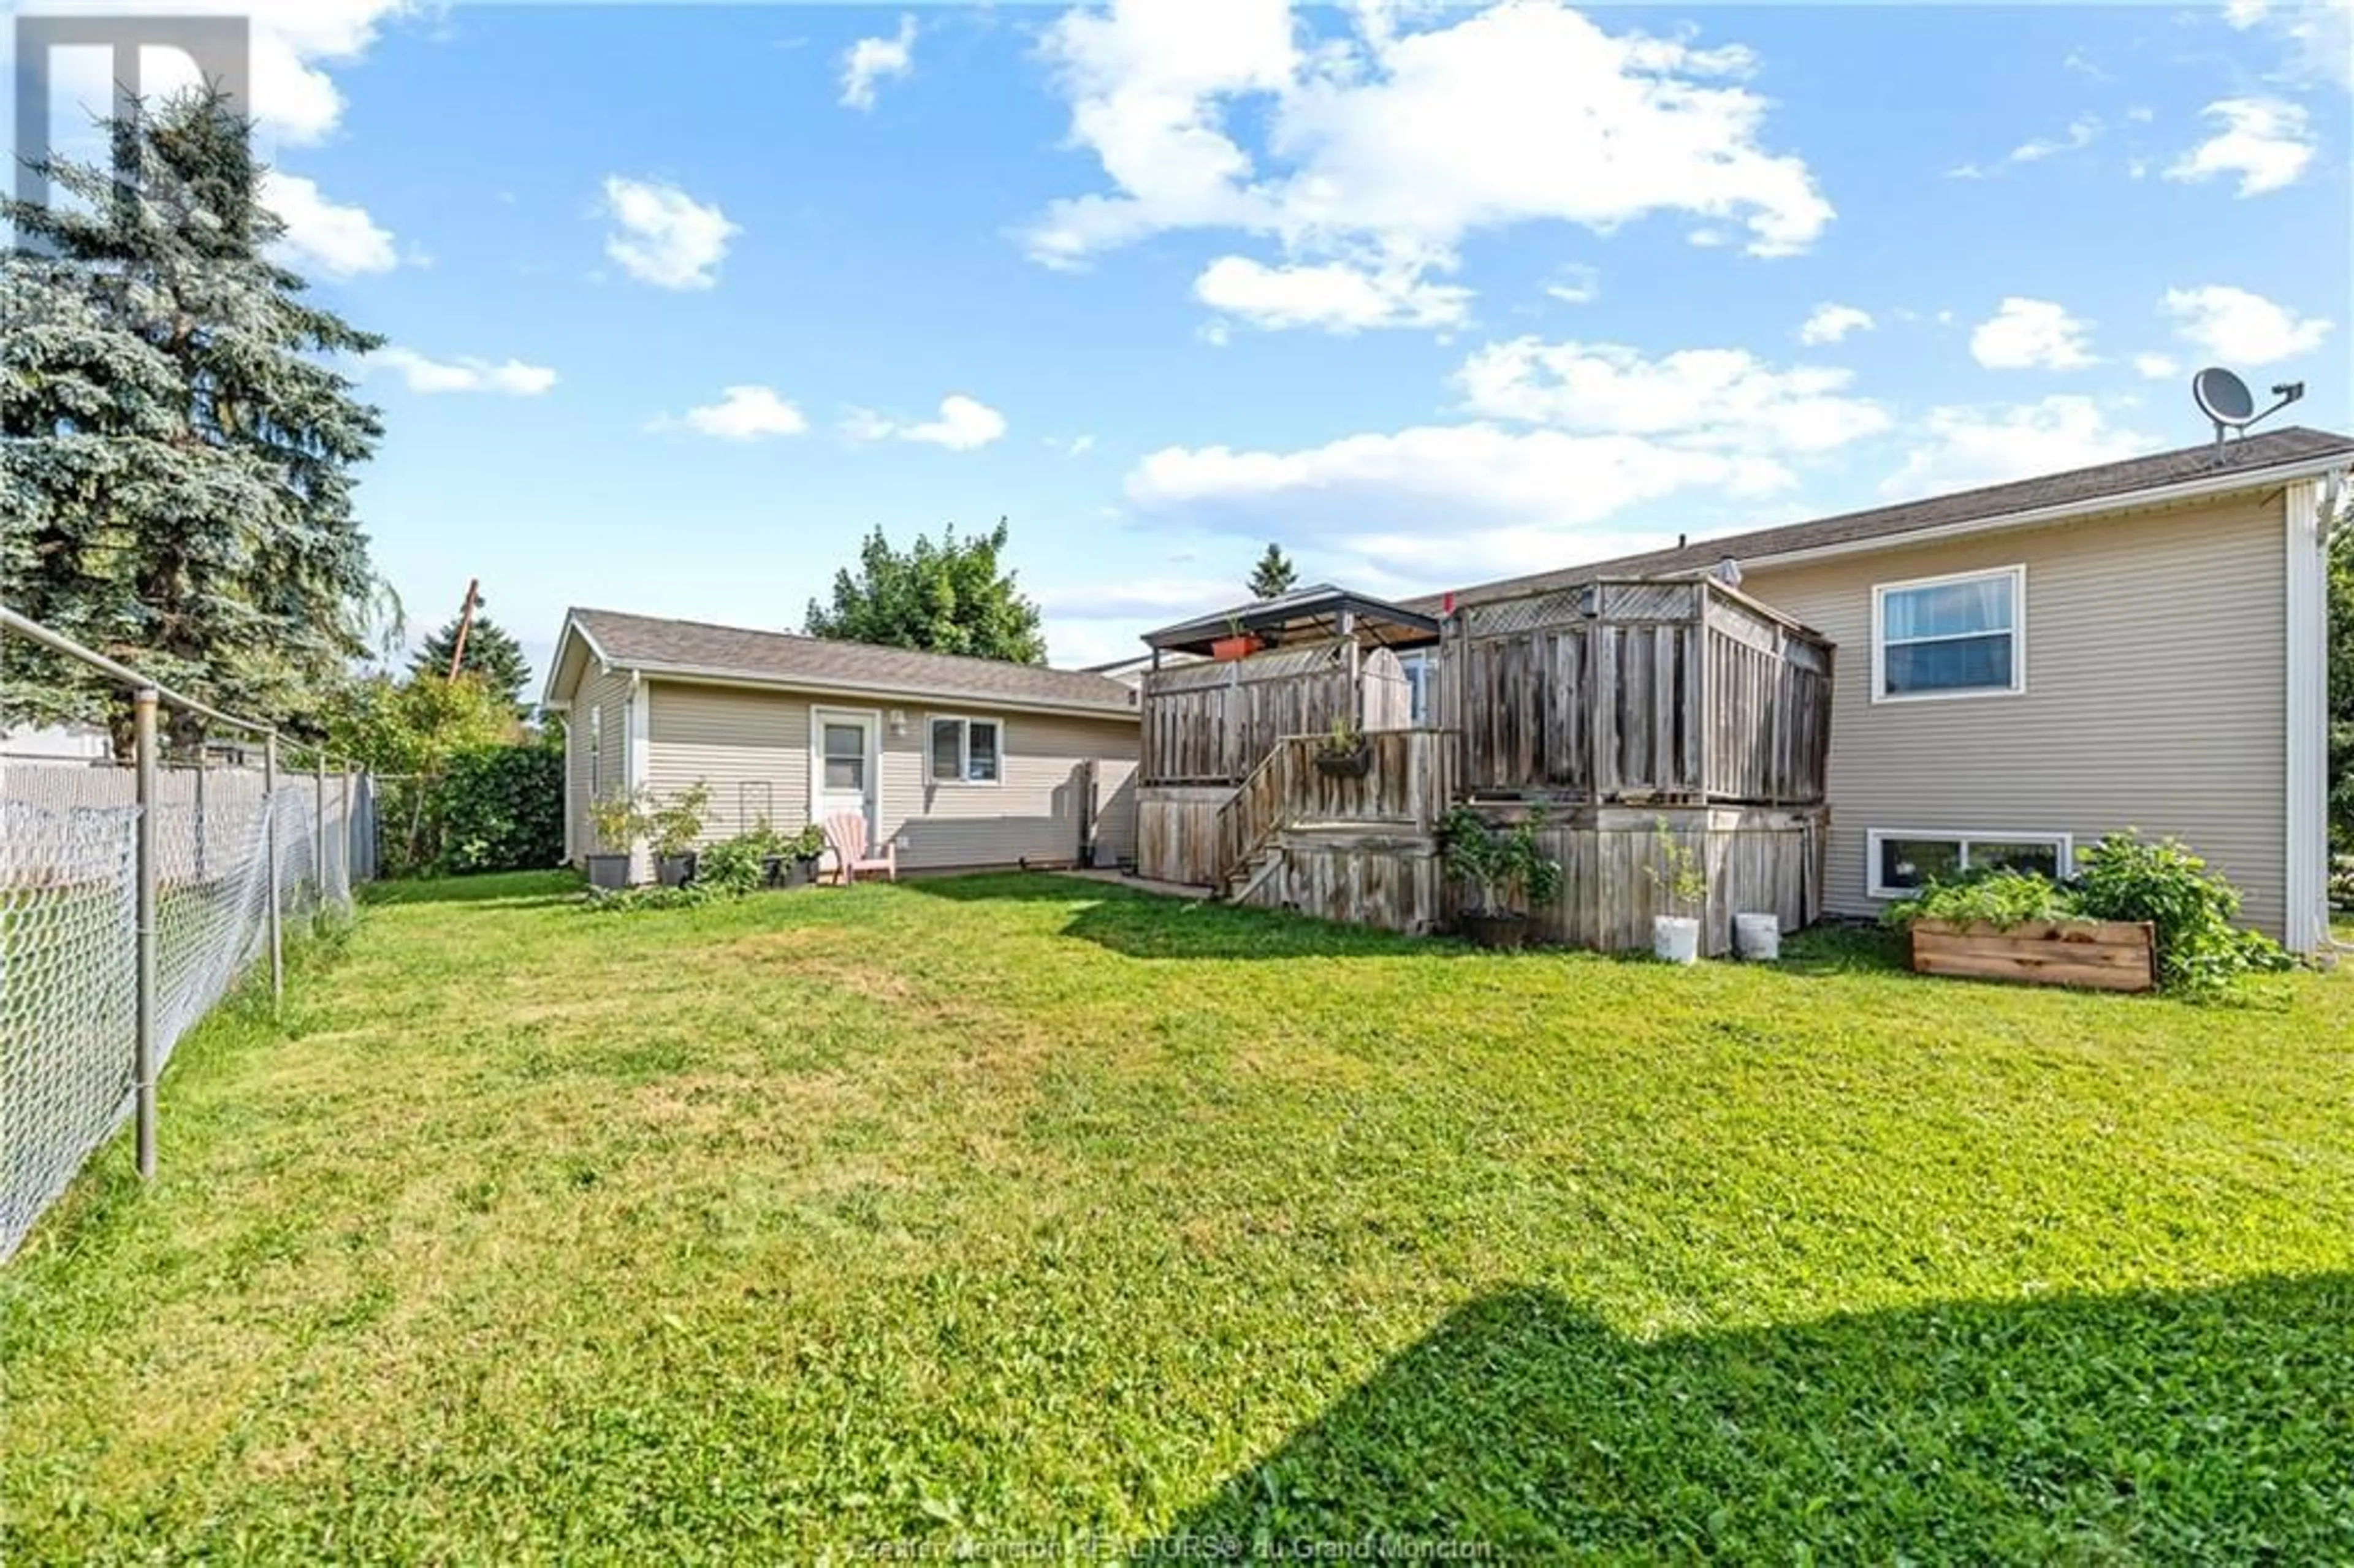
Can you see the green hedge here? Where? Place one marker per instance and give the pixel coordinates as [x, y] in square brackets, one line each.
[493, 808]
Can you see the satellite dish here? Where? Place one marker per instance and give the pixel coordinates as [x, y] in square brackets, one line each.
[2223, 396]
[2225, 399]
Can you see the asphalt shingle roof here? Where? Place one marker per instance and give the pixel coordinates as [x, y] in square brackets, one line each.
[2291, 444]
[696, 647]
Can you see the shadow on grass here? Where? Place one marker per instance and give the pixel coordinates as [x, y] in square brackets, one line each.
[2207, 1425]
[513, 888]
[1143, 924]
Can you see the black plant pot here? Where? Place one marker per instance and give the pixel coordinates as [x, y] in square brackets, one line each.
[608, 873]
[1346, 764]
[1504, 933]
[675, 870]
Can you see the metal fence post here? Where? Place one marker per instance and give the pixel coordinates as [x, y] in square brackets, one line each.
[351, 885]
[143, 1068]
[319, 830]
[269, 864]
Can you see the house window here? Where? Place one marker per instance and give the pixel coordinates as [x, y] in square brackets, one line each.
[965, 751]
[1949, 637]
[595, 754]
[1903, 861]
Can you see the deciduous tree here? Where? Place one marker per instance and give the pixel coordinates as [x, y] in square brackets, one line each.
[944, 597]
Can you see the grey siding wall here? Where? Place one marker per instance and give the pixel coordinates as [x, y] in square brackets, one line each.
[752, 748]
[2156, 695]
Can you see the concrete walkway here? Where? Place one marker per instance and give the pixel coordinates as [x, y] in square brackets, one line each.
[1144, 885]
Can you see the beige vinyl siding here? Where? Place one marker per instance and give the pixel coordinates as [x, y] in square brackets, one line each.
[2155, 694]
[733, 737]
[750, 747]
[610, 695]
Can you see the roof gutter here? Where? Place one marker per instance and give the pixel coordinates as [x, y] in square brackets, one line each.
[2161, 495]
[697, 676]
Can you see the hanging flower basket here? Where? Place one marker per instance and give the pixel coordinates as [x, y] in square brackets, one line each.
[1353, 763]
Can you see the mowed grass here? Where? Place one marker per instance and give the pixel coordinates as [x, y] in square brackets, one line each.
[1022, 1210]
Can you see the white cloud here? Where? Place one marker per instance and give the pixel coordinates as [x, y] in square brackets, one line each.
[2266, 142]
[291, 43]
[1334, 296]
[1525, 499]
[2155, 366]
[963, 424]
[870, 60]
[512, 378]
[340, 240]
[1704, 397]
[1071, 446]
[1965, 447]
[744, 413]
[663, 236]
[1387, 148]
[1830, 323]
[2025, 334]
[1575, 284]
[2242, 15]
[2242, 328]
[1167, 598]
[2082, 131]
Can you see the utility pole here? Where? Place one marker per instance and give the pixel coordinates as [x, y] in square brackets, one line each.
[465, 624]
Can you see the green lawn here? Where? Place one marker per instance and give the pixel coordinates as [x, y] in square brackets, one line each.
[1021, 1207]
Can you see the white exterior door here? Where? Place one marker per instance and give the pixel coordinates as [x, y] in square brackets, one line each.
[848, 766]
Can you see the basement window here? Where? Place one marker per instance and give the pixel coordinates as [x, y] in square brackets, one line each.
[965, 751]
[1904, 862]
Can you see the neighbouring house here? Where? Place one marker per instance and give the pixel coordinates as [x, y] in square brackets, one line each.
[2009, 672]
[961, 763]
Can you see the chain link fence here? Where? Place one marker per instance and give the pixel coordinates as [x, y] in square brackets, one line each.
[234, 864]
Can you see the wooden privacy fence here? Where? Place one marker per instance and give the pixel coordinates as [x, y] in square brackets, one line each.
[1214, 723]
[1407, 785]
[1667, 692]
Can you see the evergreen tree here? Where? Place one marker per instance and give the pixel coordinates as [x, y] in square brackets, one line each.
[491, 653]
[1274, 574]
[177, 474]
[944, 597]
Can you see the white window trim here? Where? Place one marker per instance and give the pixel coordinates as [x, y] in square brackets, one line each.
[2015, 572]
[818, 713]
[2064, 842]
[964, 751]
[595, 752]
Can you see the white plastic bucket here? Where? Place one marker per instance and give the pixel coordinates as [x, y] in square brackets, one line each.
[1675, 938]
[1757, 938]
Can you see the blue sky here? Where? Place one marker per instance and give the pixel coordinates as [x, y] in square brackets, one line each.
[1427, 294]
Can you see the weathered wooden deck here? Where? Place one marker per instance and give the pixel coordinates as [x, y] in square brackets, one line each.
[1620, 710]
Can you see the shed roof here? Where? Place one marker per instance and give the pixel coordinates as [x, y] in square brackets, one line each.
[1309, 612]
[694, 649]
[2290, 447]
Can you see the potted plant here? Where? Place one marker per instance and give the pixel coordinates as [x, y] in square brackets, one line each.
[795, 864]
[1507, 874]
[1677, 873]
[1236, 643]
[1344, 752]
[622, 822]
[675, 824]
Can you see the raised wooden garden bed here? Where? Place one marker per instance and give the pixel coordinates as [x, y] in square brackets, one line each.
[2105, 955]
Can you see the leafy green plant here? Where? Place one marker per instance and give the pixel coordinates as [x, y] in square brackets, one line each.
[498, 807]
[623, 818]
[2341, 883]
[674, 824]
[1677, 872]
[2000, 896]
[1342, 739]
[1510, 871]
[2123, 877]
